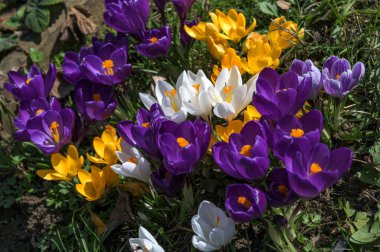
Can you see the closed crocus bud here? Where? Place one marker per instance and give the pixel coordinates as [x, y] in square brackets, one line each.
[290, 129]
[167, 183]
[32, 86]
[312, 168]
[182, 7]
[146, 241]
[338, 78]
[307, 69]
[212, 228]
[245, 156]
[278, 96]
[156, 43]
[244, 202]
[127, 16]
[185, 38]
[279, 191]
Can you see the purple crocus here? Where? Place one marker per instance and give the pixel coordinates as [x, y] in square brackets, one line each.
[50, 131]
[156, 43]
[182, 7]
[143, 134]
[307, 69]
[185, 38]
[30, 109]
[245, 156]
[338, 78]
[33, 85]
[95, 101]
[311, 169]
[108, 66]
[244, 202]
[127, 16]
[183, 145]
[279, 191]
[278, 96]
[290, 128]
[167, 183]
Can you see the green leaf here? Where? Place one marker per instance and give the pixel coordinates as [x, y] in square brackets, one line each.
[348, 210]
[361, 219]
[8, 41]
[37, 19]
[17, 19]
[49, 2]
[370, 176]
[275, 236]
[375, 152]
[366, 234]
[35, 55]
[268, 8]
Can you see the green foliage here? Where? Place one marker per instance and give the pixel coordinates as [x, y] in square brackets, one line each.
[8, 41]
[371, 173]
[17, 19]
[35, 55]
[268, 8]
[37, 19]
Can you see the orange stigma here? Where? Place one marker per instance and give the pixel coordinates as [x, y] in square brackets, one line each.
[227, 90]
[153, 40]
[108, 65]
[246, 150]
[54, 131]
[27, 82]
[146, 125]
[97, 97]
[282, 189]
[171, 95]
[182, 142]
[197, 87]
[39, 111]
[297, 133]
[133, 160]
[337, 76]
[315, 168]
[244, 202]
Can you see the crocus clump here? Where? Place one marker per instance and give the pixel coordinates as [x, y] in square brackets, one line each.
[156, 43]
[279, 191]
[307, 69]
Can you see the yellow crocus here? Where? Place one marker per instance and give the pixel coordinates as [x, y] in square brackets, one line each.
[233, 24]
[203, 31]
[261, 55]
[224, 133]
[250, 114]
[217, 47]
[229, 59]
[304, 110]
[251, 39]
[284, 34]
[64, 168]
[92, 185]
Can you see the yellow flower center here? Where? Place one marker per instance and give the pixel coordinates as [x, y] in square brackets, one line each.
[153, 40]
[96, 97]
[182, 142]
[282, 189]
[197, 87]
[132, 160]
[108, 65]
[285, 89]
[246, 150]
[315, 168]
[227, 90]
[54, 131]
[146, 125]
[27, 82]
[39, 111]
[109, 127]
[171, 95]
[337, 76]
[244, 202]
[297, 133]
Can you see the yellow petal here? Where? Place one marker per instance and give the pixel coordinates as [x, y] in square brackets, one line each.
[224, 133]
[84, 176]
[99, 146]
[110, 153]
[98, 222]
[95, 159]
[50, 174]
[74, 162]
[251, 113]
[87, 191]
[59, 163]
[109, 135]
[110, 177]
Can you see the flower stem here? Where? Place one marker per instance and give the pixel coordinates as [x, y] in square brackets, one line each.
[295, 212]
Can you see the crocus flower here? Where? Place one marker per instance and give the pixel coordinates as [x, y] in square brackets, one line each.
[224, 133]
[279, 191]
[31, 86]
[231, 95]
[307, 69]
[284, 33]
[278, 96]
[50, 131]
[167, 183]
[30, 109]
[212, 228]
[228, 60]
[64, 168]
[311, 169]
[143, 134]
[290, 128]
[183, 145]
[244, 202]
[92, 185]
[217, 47]
[155, 43]
[133, 164]
[250, 42]
[145, 241]
[94, 101]
[194, 90]
[245, 156]
[182, 7]
[203, 31]
[185, 38]
[127, 16]
[251, 113]
[169, 99]
[108, 65]
[338, 78]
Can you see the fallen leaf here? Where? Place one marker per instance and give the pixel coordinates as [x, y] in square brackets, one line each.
[122, 211]
[283, 4]
[82, 18]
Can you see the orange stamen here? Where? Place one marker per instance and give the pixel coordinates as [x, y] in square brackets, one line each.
[227, 90]
[108, 65]
[54, 131]
[39, 111]
[244, 202]
[182, 142]
[246, 150]
[315, 168]
[153, 40]
[97, 97]
[146, 125]
[297, 133]
[282, 189]
[197, 87]
[27, 82]
[133, 160]
[171, 95]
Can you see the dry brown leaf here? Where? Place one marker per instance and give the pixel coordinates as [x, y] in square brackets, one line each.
[82, 19]
[283, 4]
[122, 211]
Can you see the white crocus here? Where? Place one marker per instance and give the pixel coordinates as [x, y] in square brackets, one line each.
[195, 93]
[212, 227]
[169, 100]
[133, 164]
[231, 95]
[145, 242]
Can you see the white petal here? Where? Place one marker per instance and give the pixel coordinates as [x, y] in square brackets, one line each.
[142, 243]
[179, 116]
[144, 234]
[222, 79]
[157, 248]
[235, 78]
[217, 237]
[123, 156]
[200, 244]
[205, 83]
[117, 168]
[205, 103]
[200, 227]
[224, 110]
[125, 147]
[161, 87]
[147, 100]
[238, 97]
[182, 79]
